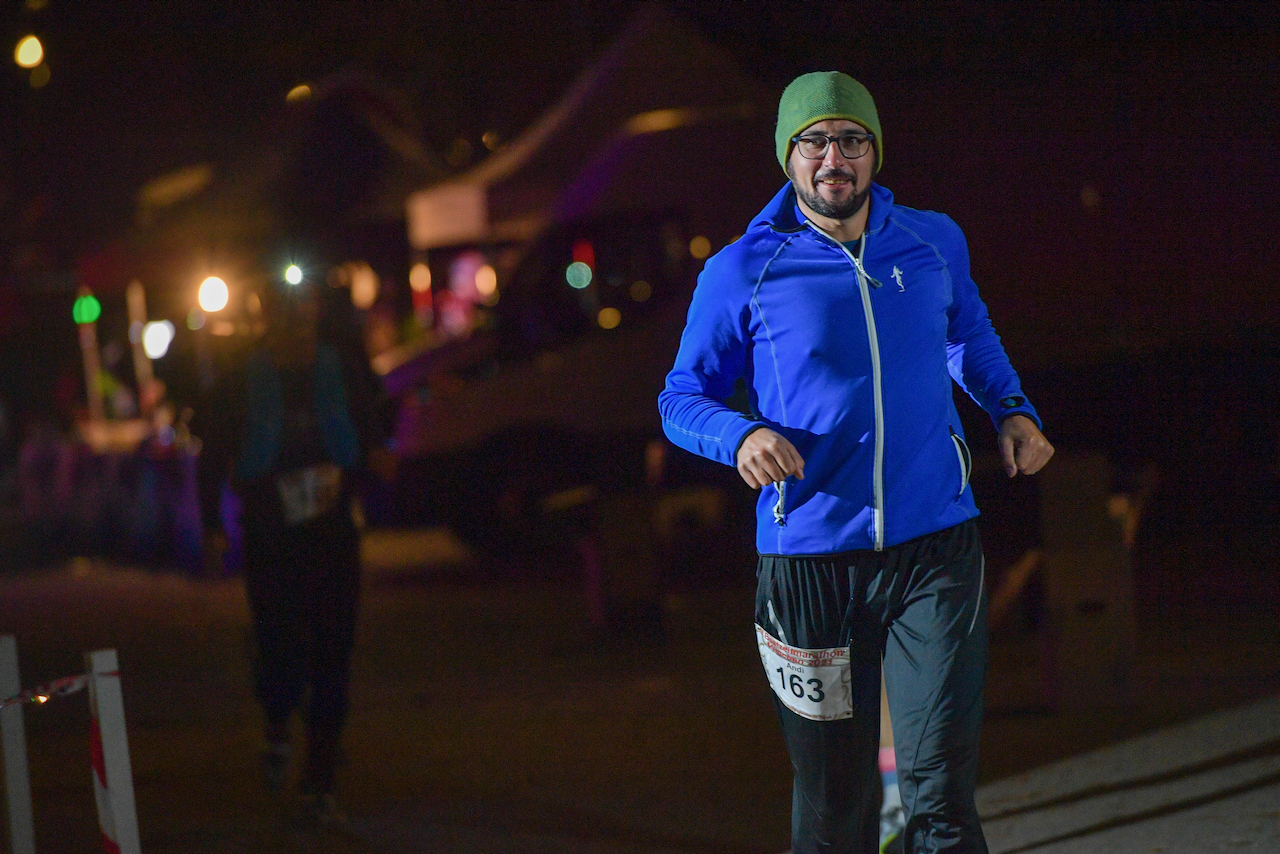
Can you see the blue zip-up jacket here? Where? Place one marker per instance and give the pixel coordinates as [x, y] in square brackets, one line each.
[850, 357]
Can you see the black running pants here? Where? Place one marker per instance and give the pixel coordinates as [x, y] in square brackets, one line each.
[918, 608]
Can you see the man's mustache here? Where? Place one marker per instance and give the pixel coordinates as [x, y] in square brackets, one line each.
[833, 173]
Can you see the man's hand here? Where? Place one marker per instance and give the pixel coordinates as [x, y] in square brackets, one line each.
[1022, 446]
[767, 457]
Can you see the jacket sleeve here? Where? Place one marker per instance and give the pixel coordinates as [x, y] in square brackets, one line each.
[714, 353]
[975, 357]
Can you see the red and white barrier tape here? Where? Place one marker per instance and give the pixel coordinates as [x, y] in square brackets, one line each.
[44, 693]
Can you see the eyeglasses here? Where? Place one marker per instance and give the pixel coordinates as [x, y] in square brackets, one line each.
[813, 146]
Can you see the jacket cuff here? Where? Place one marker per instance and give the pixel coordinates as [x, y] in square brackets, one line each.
[1009, 408]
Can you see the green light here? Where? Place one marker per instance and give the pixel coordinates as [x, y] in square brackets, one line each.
[86, 309]
[578, 275]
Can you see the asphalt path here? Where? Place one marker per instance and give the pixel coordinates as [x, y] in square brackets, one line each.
[489, 717]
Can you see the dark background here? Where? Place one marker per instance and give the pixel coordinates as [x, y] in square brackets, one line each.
[1114, 166]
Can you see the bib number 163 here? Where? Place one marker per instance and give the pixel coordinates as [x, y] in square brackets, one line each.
[813, 683]
[808, 689]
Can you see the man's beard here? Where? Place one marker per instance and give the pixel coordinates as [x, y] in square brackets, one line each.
[822, 207]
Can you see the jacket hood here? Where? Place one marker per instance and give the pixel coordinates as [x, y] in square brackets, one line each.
[783, 213]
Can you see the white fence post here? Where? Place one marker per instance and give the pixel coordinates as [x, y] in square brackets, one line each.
[112, 774]
[17, 777]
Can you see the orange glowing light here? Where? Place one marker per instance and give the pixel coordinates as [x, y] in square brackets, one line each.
[29, 53]
[213, 295]
[609, 318]
[420, 278]
[486, 280]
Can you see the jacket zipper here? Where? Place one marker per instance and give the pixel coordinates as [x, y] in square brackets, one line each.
[877, 473]
[966, 463]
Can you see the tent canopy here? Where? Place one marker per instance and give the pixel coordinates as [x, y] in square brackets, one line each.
[639, 129]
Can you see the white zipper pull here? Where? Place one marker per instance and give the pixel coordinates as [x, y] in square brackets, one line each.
[871, 280]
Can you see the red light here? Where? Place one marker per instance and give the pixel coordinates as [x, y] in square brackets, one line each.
[421, 301]
[584, 252]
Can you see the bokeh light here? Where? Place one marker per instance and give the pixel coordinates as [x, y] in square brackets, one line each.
[490, 139]
[420, 278]
[486, 280]
[609, 318]
[40, 76]
[1090, 197]
[700, 247]
[301, 92]
[365, 285]
[293, 274]
[86, 308]
[578, 275]
[156, 338]
[641, 290]
[584, 252]
[195, 319]
[213, 294]
[29, 53]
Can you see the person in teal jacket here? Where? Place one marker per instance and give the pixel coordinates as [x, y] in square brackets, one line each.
[293, 432]
[848, 317]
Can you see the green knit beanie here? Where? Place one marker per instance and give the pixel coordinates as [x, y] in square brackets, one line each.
[822, 95]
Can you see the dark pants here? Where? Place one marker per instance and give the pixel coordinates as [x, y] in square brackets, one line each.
[303, 585]
[920, 608]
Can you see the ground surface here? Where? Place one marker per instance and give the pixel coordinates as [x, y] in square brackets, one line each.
[488, 718]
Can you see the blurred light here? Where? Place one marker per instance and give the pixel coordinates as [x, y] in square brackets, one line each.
[195, 320]
[490, 139]
[156, 338]
[578, 275]
[641, 290]
[585, 253]
[29, 53]
[254, 303]
[36, 5]
[293, 274]
[223, 328]
[699, 247]
[86, 308]
[365, 284]
[422, 307]
[213, 294]
[42, 698]
[300, 92]
[40, 76]
[486, 281]
[135, 332]
[656, 121]
[420, 278]
[609, 318]
[1090, 197]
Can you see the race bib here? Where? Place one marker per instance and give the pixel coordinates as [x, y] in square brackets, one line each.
[308, 493]
[813, 683]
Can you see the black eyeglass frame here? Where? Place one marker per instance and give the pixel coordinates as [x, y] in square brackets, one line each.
[868, 139]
